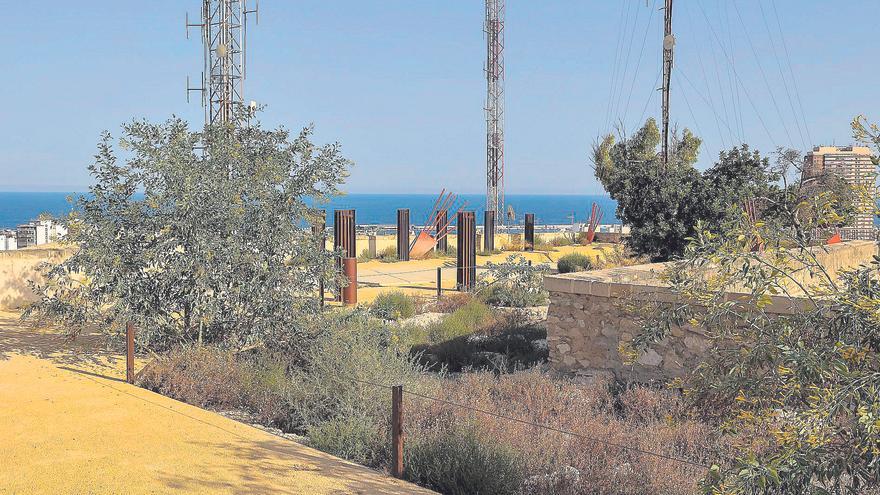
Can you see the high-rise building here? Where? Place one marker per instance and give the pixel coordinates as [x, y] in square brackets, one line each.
[854, 164]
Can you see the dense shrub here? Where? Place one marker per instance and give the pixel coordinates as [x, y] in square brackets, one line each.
[389, 254]
[458, 459]
[574, 262]
[555, 463]
[514, 283]
[452, 449]
[393, 305]
[561, 240]
[503, 347]
[208, 376]
[450, 302]
[463, 321]
[352, 436]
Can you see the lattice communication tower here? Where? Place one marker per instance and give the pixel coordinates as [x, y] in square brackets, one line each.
[494, 29]
[224, 38]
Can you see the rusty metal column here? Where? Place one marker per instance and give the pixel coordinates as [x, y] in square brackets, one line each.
[466, 259]
[129, 352]
[319, 230]
[440, 230]
[403, 234]
[344, 239]
[529, 235]
[489, 231]
[350, 270]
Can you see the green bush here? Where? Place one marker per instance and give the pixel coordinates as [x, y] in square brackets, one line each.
[507, 349]
[389, 254]
[513, 283]
[330, 389]
[394, 305]
[463, 321]
[574, 262]
[459, 460]
[354, 437]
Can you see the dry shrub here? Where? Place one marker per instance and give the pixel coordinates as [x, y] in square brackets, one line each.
[215, 378]
[203, 376]
[560, 463]
[450, 302]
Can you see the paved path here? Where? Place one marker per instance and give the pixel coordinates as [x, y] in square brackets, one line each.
[69, 425]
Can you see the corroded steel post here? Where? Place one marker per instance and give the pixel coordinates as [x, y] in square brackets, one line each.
[350, 270]
[489, 231]
[344, 239]
[403, 234]
[466, 259]
[529, 236]
[440, 230]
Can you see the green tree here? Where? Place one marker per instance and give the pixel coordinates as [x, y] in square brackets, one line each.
[663, 203]
[197, 236]
[796, 391]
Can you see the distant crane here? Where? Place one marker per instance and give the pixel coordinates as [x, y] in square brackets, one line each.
[494, 29]
[224, 37]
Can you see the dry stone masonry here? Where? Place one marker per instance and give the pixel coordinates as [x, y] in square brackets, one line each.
[591, 314]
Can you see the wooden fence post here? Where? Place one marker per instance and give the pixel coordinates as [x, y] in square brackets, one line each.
[439, 288]
[129, 352]
[397, 431]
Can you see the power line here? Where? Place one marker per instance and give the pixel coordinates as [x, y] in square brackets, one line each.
[711, 102]
[736, 73]
[626, 63]
[782, 75]
[708, 102]
[763, 74]
[639, 61]
[797, 92]
[621, 27]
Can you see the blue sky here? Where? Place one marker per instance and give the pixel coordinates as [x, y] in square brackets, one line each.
[400, 83]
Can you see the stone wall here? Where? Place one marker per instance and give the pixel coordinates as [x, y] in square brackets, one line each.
[590, 315]
[18, 267]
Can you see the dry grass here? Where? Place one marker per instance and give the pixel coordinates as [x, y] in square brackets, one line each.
[639, 418]
[480, 453]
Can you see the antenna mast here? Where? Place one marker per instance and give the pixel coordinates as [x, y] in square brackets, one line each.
[224, 38]
[668, 45]
[494, 29]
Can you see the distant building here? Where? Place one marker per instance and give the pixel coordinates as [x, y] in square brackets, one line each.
[39, 232]
[8, 240]
[854, 164]
[26, 235]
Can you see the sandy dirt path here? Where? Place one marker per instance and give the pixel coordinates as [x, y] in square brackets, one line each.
[70, 425]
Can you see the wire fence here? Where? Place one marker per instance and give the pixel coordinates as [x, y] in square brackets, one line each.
[594, 440]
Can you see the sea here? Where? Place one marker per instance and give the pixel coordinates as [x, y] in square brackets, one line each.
[370, 209]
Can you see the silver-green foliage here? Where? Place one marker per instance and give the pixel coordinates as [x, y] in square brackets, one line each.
[197, 235]
[514, 283]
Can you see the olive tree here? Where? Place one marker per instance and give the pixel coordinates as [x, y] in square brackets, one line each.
[197, 236]
[797, 391]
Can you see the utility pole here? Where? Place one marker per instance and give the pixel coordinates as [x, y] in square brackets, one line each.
[494, 29]
[668, 45]
[224, 38]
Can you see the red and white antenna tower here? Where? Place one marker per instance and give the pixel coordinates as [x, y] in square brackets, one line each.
[494, 29]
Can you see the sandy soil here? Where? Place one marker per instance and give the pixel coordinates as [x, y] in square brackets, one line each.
[419, 277]
[70, 425]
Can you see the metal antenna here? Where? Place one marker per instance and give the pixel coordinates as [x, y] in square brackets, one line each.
[494, 29]
[223, 29]
[668, 45]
